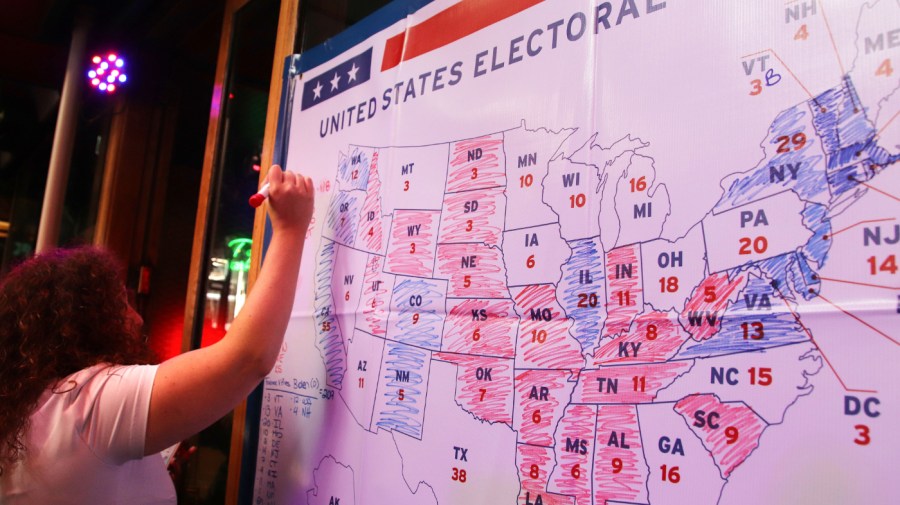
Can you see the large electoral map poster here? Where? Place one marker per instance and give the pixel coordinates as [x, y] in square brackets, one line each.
[594, 252]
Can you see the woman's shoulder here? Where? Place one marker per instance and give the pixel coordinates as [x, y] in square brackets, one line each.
[93, 379]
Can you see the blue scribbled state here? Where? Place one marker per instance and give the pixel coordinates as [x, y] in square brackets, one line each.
[330, 341]
[852, 154]
[758, 303]
[426, 298]
[776, 269]
[840, 119]
[404, 368]
[353, 170]
[804, 279]
[815, 219]
[342, 220]
[801, 171]
[587, 255]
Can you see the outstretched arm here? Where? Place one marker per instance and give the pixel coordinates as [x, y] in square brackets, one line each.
[194, 389]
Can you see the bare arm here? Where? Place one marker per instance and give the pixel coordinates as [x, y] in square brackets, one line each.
[194, 389]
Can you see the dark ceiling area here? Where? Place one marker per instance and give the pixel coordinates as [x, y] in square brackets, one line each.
[168, 37]
[35, 34]
[170, 48]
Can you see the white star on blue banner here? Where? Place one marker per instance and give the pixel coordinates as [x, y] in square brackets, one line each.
[338, 79]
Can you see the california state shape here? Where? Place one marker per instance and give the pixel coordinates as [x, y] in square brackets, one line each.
[756, 231]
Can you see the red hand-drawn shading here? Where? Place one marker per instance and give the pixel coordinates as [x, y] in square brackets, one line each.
[371, 233]
[749, 425]
[496, 335]
[669, 338]
[421, 262]
[376, 304]
[723, 291]
[630, 483]
[495, 404]
[528, 401]
[619, 317]
[577, 423]
[531, 488]
[657, 376]
[486, 221]
[491, 169]
[486, 280]
[559, 350]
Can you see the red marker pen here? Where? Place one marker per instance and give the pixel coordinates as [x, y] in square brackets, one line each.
[257, 199]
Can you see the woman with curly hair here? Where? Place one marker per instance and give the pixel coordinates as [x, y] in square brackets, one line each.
[83, 415]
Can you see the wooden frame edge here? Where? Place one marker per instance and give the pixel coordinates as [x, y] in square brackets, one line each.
[284, 47]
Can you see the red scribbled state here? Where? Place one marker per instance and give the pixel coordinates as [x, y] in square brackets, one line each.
[484, 386]
[702, 315]
[654, 337]
[474, 270]
[627, 384]
[495, 327]
[376, 297]
[413, 243]
[541, 396]
[371, 228]
[544, 340]
[476, 163]
[625, 298]
[574, 453]
[534, 465]
[619, 438]
[473, 216]
[748, 427]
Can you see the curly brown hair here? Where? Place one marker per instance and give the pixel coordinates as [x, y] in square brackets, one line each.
[60, 312]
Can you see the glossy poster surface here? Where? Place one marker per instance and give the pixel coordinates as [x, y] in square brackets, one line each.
[594, 252]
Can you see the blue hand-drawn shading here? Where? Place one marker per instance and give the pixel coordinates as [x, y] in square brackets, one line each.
[816, 220]
[587, 254]
[804, 279]
[779, 324]
[330, 341]
[810, 179]
[427, 331]
[776, 270]
[840, 119]
[353, 170]
[848, 138]
[342, 220]
[404, 368]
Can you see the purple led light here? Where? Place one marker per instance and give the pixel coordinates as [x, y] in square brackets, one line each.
[106, 72]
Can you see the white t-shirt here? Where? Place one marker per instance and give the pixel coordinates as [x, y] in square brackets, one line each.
[86, 444]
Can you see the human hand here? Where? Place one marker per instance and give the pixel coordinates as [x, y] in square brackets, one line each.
[290, 201]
